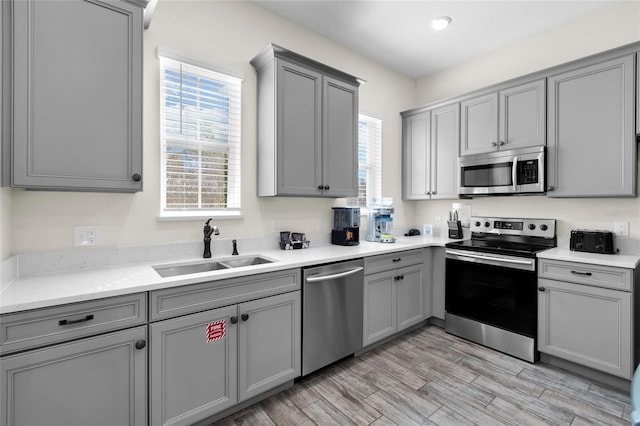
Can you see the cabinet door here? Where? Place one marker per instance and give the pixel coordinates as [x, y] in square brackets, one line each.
[77, 115]
[587, 325]
[591, 116]
[95, 381]
[523, 116]
[270, 343]
[299, 130]
[340, 139]
[409, 287]
[416, 157]
[380, 318]
[445, 138]
[479, 122]
[438, 262]
[427, 282]
[193, 366]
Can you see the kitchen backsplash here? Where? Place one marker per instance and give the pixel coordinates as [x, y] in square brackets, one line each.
[105, 257]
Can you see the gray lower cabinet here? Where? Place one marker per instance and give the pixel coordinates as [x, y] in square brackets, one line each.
[591, 125]
[585, 315]
[77, 364]
[513, 117]
[204, 363]
[307, 127]
[430, 142]
[393, 298]
[76, 74]
[438, 262]
[94, 381]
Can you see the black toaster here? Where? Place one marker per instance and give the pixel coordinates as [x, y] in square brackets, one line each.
[592, 241]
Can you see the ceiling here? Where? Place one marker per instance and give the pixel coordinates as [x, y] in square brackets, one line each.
[397, 33]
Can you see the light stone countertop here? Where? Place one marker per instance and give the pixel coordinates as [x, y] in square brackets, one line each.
[43, 290]
[56, 288]
[616, 260]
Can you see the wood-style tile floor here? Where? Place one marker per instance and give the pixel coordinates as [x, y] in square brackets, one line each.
[430, 377]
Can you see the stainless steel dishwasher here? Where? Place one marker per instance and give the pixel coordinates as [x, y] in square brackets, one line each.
[332, 299]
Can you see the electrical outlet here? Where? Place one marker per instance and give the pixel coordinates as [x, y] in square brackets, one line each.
[86, 235]
[621, 228]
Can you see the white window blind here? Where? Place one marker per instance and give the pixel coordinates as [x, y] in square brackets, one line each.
[369, 161]
[200, 139]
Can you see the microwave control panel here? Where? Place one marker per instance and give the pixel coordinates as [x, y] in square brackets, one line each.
[527, 172]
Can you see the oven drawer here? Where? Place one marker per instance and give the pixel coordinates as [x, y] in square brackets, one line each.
[582, 273]
[57, 324]
[385, 262]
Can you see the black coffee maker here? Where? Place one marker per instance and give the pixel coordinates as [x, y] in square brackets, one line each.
[346, 226]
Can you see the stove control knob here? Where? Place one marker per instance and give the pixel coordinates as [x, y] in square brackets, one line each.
[532, 226]
[543, 227]
[478, 223]
[487, 224]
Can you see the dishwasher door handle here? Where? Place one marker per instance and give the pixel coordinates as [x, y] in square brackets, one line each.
[314, 279]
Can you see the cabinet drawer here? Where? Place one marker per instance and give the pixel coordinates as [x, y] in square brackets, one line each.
[385, 262]
[40, 327]
[173, 302]
[582, 273]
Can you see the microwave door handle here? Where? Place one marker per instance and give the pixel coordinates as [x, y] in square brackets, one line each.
[514, 173]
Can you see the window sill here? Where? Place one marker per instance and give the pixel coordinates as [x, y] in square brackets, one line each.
[193, 215]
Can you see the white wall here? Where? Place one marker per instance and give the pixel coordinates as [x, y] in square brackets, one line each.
[229, 34]
[612, 27]
[44, 221]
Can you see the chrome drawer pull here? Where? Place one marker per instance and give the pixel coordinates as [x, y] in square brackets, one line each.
[69, 322]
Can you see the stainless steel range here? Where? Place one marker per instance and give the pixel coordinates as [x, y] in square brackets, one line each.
[491, 283]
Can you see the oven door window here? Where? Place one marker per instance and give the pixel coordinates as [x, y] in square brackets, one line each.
[487, 175]
[498, 296]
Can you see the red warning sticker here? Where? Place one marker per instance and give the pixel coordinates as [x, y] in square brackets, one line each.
[216, 330]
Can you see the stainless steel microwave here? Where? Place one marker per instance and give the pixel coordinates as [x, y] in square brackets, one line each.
[518, 171]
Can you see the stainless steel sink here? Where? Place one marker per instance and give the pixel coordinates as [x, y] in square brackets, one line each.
[245, 261]
[193, 268]
[209, 266]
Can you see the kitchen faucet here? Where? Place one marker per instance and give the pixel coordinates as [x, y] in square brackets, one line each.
[208, 230]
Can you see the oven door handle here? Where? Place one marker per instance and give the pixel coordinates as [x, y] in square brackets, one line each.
[495, 259]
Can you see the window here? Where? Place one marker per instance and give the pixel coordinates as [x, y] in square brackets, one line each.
[369, 161]
[200, 140]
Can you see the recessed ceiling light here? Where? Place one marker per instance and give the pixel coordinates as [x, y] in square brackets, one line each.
[440, 23]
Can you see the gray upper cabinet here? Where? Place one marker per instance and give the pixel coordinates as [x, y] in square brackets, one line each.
[430, 152]
[415, 156]
[479, 124]
[307, 127]
[591, 134]
[513, 117]
[77, 95]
